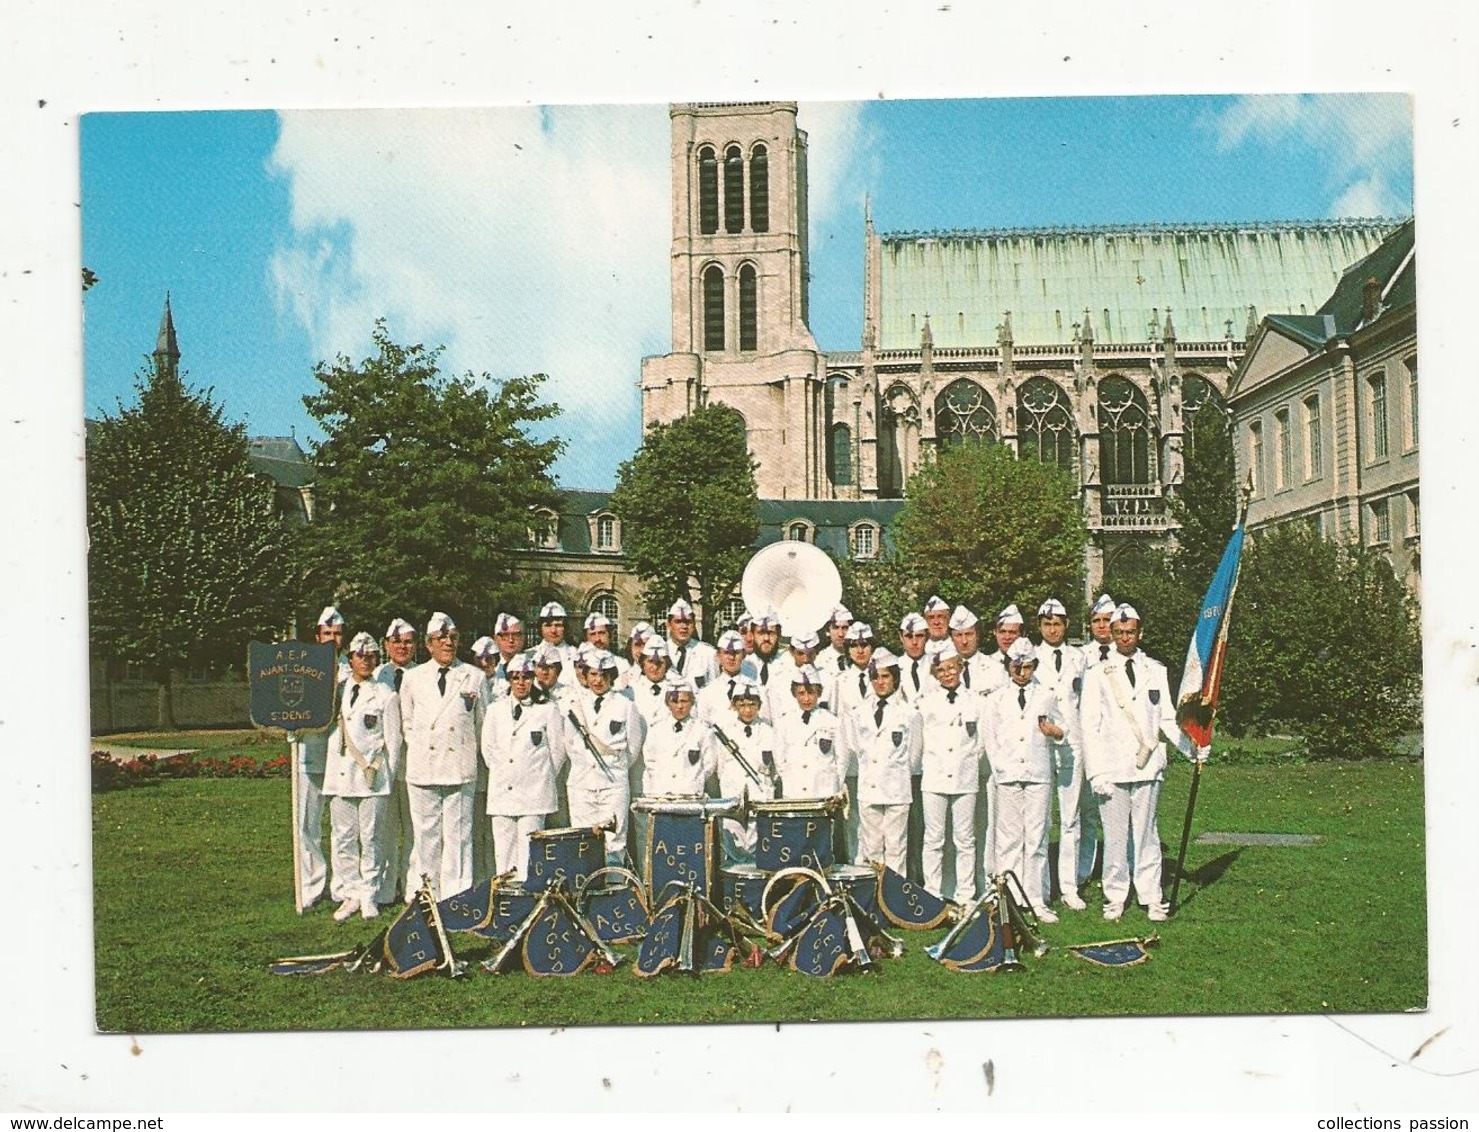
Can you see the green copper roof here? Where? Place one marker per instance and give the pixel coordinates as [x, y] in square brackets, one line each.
[1207, 275]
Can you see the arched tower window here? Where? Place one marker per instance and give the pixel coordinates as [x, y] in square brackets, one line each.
[713, 307]
[1045, 424]
[839, 456]
[708, 191]
[1197, 393]
[747, 307]
[1124, 433]
[734, 190]
[759, 189]
[965, 414]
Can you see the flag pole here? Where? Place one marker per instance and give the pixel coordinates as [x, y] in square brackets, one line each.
[1245, 494]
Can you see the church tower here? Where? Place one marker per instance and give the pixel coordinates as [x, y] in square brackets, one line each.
[739, 289]
[167, 346]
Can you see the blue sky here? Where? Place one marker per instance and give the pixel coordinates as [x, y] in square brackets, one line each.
[536, 240]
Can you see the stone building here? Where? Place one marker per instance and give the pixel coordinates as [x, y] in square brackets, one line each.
[1088, 348]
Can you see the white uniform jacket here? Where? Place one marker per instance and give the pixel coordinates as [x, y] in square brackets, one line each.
[713, 701]
[888, 754]
[442, 730]
[1094, 653]
[617, 731]
[678, 758]
[651, 701]
[524, 756]
[1120, 722]
[813, 763]
[313, 746]
[1016, 748]
[908, 669]
[1067, 682]
[697, 660]
[761, 750]
[953, 743]
[988, 673]
[368, 733]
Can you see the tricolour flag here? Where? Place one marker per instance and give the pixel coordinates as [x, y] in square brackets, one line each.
[1197, 700]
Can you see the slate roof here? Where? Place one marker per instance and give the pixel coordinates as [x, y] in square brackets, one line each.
[281, 458]
[1392, 264]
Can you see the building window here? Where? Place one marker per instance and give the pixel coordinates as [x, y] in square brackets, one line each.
[713, 307]
[759, 189]
[1316, 524]
[545, 532]
[731, 612]
[1255, 455]
[734, 190]
[965, 414]
[1381, 524]
[607, 606]
[1414, 525]
[1045, 424]
[1124, 433]
[798, 530]
[1284, 466]
[1314, 446]
[708, 192]
[865, 541]
[747, 312]
[1197, 394]
[1411, 366]
[607, 537]
[1377, 388]
[839, 456]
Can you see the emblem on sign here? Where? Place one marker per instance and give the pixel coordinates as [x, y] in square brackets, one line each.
[290, 689]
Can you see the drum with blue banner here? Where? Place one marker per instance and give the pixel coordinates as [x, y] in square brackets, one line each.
[744, 884]
[795, 833]
[679, 851]
[860, 882]
[564, 856]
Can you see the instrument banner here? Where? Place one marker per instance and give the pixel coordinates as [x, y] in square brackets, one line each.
[822, 947]
[414, 944]
[509, 907]
[315, 964]
[680, 850]
[662, 947]
[557, 944]
[793, 840]
[564, 856]
[473, 910]
[1116, 952]
[618, 912]
[909, 905]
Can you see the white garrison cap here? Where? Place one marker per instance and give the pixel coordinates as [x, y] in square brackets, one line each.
[936, 604]
[552, 611]
[1022, 651]
[547, 656]
[519, 663]
[680, 610]
[439, 623]
[945, 652]
[745, 620]
[767, 621]
[1011, 615]
[330, 616]
[912, 623]
[675, 684]
[363, 645]
[597, 621]
[841, 615]
[1052, 608]
[583, 654]
[1105, 604]
[641, 629]
[745, 690]
[507, 623]
[1126, 612]
[859, 631]
[398, 629]
[484, 647]
[600, 660]
[730, 641]
[806, 674]
[804, 641]
[963, 618]
[880, 660]
[656, 647]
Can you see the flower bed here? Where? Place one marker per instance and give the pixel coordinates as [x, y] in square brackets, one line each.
[112, 774]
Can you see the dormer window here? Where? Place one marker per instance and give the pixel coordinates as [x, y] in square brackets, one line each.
[799, 530]
[544, 534]
[605, 530]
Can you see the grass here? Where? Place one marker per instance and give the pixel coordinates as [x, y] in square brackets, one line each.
[193, 899]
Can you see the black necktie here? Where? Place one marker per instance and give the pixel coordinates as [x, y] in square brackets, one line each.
[682, 658]
[399, 673]
[597, 710]
[353, 695]
[677, 727]
[878, 715]
[748, 730]
[1021, 699]
[862, 684]
[1058, 659]
[1103, 652]
[518, 711]
[1130, 671]
[442, 682]
[842, 663]
[731, 687]
[656, 688]
[806, 716]
[950, 695]
[764, 672]
[965, 674]
[915, 669]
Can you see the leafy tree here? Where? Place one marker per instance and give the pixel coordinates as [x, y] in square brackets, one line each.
[688, 506]
[986, 529]
[879, 591]
[424, 486]
[187, 559]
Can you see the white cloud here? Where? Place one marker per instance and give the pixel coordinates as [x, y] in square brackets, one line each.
[837, 147]
[524, 240]
[1365, 141]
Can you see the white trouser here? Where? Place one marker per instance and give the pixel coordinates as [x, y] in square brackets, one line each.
[313, 869]
[398, 838]
[1128, 814]
[511, 842]
[442, 817]
[1023, 812]
[482, 835]
[847, 852]
[593, 806]
[1078, 821]
[357, 834]
[985, 821]
[960, 811]
[883, 833]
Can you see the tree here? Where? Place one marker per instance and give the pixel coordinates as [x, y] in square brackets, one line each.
[688, 507]
[424, 486]
[986, 529]
[187, 559]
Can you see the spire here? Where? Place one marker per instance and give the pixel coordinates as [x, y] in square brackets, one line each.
[926, 336]
[1252, 327]
[1169, 334]
[1004, 330]
[1087, 334]
[167, 348]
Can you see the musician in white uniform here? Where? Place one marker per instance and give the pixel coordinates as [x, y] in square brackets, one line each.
[1019, 724]
[442, 704]
[885, 735]
[937, 619]
[598, 629]
[951, 777]
[851, 690]
[1127, 709]
[604, 746]
[397, 834]
[992, 675]
[523, 746]
[552, 619]
[714, 700]
[485, 656]
[812, 761]
[312, 752]
[678, 755]
[690, 656]
[755, 776]
[649, 688]
[768, 662]
[362, 764]
[915, 681]
[1061, 667]
[1101, 640]
[834, 658]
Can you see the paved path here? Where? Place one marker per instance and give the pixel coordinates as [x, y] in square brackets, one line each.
[120, 753]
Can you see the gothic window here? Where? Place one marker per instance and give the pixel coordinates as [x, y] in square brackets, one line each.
[965, 414]
[759, 189]
[734, 190]
[839, 456]
[1197, 393]
[1045, 424]
[1314, 445]
[708, 192]
[713, 307]
[747, 312]
[1124, 433]
[1376, 386]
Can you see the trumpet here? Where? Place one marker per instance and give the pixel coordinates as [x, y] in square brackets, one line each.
[590, 744]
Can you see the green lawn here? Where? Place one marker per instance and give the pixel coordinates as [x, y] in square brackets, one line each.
[194, 898]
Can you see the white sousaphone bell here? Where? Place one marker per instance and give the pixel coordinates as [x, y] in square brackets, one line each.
[794, 581]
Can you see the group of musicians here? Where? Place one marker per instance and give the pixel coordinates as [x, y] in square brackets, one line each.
[950, 755]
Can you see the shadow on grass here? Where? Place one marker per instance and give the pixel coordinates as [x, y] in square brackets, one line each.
[1204, 876]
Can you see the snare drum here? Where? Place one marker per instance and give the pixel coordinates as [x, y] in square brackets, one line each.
[795, 833]
[508, 906]
[565, 856]
[744, 884]
[858, 881]
[679, 847]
